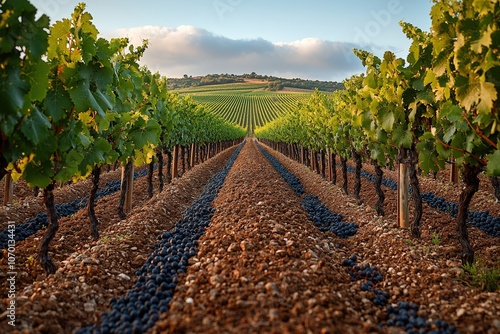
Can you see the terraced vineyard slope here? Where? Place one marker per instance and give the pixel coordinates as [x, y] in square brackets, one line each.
[246, 104]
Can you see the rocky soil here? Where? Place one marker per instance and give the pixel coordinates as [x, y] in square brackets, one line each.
[262, 265]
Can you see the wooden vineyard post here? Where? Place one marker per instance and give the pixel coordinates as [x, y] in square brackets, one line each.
[302, 155]
[193, 154]
[130, 190]
[403, 196]
[330, 162]
[8, 190]
[175, 162]
[454, 172]
[209, 149]
[313, 161]
[127, 206]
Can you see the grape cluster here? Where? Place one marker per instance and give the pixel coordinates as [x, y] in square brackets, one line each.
[323, 218]
[402, 314]
[371, 275]
[326, 220]
[40, 221]
[291, 179]
[480, 219]
[33, 225]
[405, 314]
[140, 308]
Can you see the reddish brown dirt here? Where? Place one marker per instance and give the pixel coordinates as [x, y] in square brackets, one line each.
[25, 205]
[262, 266]
[88, 270]
[416, 270]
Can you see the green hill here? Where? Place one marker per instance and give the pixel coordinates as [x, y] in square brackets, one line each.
[247, 103]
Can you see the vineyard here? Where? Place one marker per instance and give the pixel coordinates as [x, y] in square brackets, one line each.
[245, 104]
[128, 208]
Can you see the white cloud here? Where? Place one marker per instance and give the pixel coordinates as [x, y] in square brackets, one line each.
[194, 51]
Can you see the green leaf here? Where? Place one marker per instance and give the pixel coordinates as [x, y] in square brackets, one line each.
[96, 155]
[12, 91]
[145, 136]
[403, 137]
[418, 84]
[488, 97]
[381, 136]
[426, 155]
[468, 95]
[430, 78]
[386, 118]
[39, 81]
[57, 103]
[493, 166]
[449, 134]
[451, 112]
[484, 7]
[459, 140]
[36, 127]
[58, 39]
[84, 139]
[70, 166]
[38, 175]
[485, 40]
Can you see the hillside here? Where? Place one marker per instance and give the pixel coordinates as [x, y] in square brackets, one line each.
[246, 103]
[270, 83]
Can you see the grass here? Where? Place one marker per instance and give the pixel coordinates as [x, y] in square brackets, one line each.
[482, 276]
[435, 238]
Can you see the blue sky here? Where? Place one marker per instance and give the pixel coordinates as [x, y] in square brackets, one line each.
[311, 39]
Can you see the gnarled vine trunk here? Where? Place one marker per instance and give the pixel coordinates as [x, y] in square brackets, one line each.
[150, 178]
[343, 162]
[183, 154]
[415, 192]
[495, 182]
[96, 174]
[471, 180]
[323, 164]
[43, 247]
[188, 157]
[357, 184]
[159, 157]
[333, 162]
[379, 207]
[170, 158]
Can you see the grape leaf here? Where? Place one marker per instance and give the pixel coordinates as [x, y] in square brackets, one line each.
[386, 119]
[12, 90]
[403, 137]
[35, 127]
[493, 166]
[38, 175]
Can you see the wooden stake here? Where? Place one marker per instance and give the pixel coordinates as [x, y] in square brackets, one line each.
[403, 196]
[175, 162]
[330, 165]
[127, 207]
[193, 150]
[313, 161]
[8, 190]
[454, 172]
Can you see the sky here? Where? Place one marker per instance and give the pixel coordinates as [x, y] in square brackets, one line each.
[309, 39]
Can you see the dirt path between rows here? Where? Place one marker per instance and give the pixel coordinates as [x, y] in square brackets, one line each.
[262, 266]
[92, 272]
